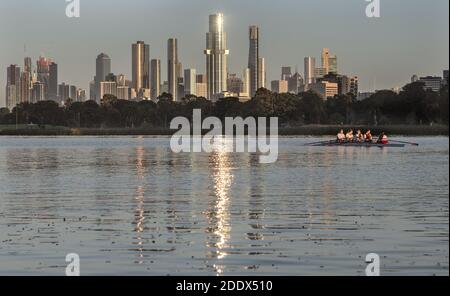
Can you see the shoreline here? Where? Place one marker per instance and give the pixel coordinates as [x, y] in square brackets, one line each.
[306, 130]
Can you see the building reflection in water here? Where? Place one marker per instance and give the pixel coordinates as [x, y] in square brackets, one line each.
[140, 206]
[219, 224]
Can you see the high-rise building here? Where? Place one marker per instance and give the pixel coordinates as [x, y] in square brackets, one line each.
[286, 73]
[262, 73]
[140, 66]
[325, 60]
[53, 82]
[295, 83]
[13, 95]
[108, 88]
[234, 84]
[202, 86]
[216, 56]
[325, 89]
[38, 93]
[102, 69]
[432, 83]
[348, 85]
[43, 73]
[64, 92]
[155, 78]
[123, 92]
[27, 65]
[190, 82]
[310, 68]
[245, 91]
[332, 64]
[25, 89]
[279, 86]
[172, 67]
[80, 95]
[253, 59]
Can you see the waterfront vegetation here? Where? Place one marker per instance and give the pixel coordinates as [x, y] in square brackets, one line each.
[413, 111]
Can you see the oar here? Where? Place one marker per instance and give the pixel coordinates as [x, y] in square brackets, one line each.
[402, 142]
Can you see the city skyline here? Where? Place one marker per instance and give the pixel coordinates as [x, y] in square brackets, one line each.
[236, 27]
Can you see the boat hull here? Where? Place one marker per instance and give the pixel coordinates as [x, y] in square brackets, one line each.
[332, 144]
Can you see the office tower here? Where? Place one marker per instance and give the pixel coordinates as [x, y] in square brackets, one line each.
[348, 85]
[53, 82]
[155, 79]
[25, 90]
[27, 65]
[253, 59]
[216, 56]
[120, 79]
[295, 83]
[43, 73]
[286, 73]
[80, 95]
[173, 67]
[234, 84]
[140, 66]
[13, 95]
[432, 83]
[333, 65]
[38, 93]
[325, 89]
[190, 82]
[262, 73]
[123, 92]
[325, 60]
[246, 78]
[445, 78]
[310, 68]
[202, 86]
[64, 92]
[102, 69]
[279, 86]
[108, 88]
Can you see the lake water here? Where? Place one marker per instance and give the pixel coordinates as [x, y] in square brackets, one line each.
[129, 206]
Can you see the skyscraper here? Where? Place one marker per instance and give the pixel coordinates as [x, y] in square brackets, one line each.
[286, 73]
[261, 73]
[53, 82]
[140, 66]
[173, 67]
[13, 86]
[216, 56]
[332, 64]
[253, 59]
[310, 68]
[102, 69]
[325, 60]
[43, 73]
[190, 82]
[155, 78]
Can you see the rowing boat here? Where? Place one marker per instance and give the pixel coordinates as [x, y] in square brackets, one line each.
[356, 144]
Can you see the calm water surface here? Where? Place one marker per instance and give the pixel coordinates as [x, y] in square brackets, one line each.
[129, 206]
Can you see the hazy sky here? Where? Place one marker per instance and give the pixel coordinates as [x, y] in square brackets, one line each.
[411, 37]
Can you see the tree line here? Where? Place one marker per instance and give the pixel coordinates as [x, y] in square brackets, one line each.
[413, 105]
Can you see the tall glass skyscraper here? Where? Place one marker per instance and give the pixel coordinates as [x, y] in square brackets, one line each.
[172, 67]
[155, 78]
[140, 69]
[216, 56]
[253, 59]
[310, 68]
[102, 69]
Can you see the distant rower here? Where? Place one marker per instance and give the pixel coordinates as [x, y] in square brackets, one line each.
[368, 136]
[341, 136]
[383, 139]
[349, 136]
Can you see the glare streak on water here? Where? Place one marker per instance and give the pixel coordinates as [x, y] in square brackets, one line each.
[129, 206]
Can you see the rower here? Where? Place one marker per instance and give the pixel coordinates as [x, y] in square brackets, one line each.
[349, 136]
[368, 136]
[341, 136]
[359, 136]
[383, 139]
